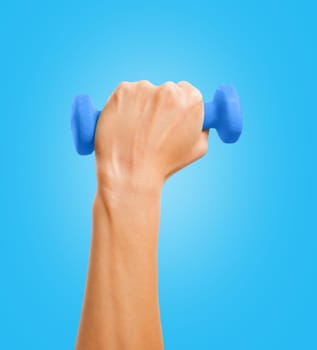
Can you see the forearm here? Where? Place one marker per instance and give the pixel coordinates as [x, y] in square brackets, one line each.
[121, 309]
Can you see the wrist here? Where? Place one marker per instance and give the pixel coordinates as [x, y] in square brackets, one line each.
[128, 216]
[144, 181]
[128, 189]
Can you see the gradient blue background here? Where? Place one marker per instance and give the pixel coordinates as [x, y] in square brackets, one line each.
[237, 257]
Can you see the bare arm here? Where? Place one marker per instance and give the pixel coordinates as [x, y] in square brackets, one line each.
[144, 135]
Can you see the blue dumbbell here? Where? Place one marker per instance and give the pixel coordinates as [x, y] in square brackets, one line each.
[223, 113]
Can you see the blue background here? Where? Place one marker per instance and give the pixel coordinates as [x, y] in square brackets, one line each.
[237, 257]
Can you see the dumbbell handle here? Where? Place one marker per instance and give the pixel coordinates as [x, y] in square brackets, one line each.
[223, 113]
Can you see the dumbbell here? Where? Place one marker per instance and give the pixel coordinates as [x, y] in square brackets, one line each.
[223, 113]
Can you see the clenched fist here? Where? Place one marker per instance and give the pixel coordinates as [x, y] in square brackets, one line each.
[146, 133]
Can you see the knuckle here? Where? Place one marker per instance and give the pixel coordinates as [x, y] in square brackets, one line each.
[196, 95]
[183, 83]
[145, 83]
[168, 87]
[191, 92]
[168, 93]
[123, 87]
[144, 86]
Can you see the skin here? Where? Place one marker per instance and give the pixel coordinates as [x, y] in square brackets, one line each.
[145, 134]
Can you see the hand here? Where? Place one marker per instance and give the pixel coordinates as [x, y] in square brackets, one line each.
[146, 133]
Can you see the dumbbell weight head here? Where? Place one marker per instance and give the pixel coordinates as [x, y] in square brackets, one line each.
[228, 113]
[84, 118]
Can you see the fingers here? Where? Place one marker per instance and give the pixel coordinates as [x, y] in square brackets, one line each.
[181, 93]
[127, 86]
[145, 84]
[168, 86]
[190, 89]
